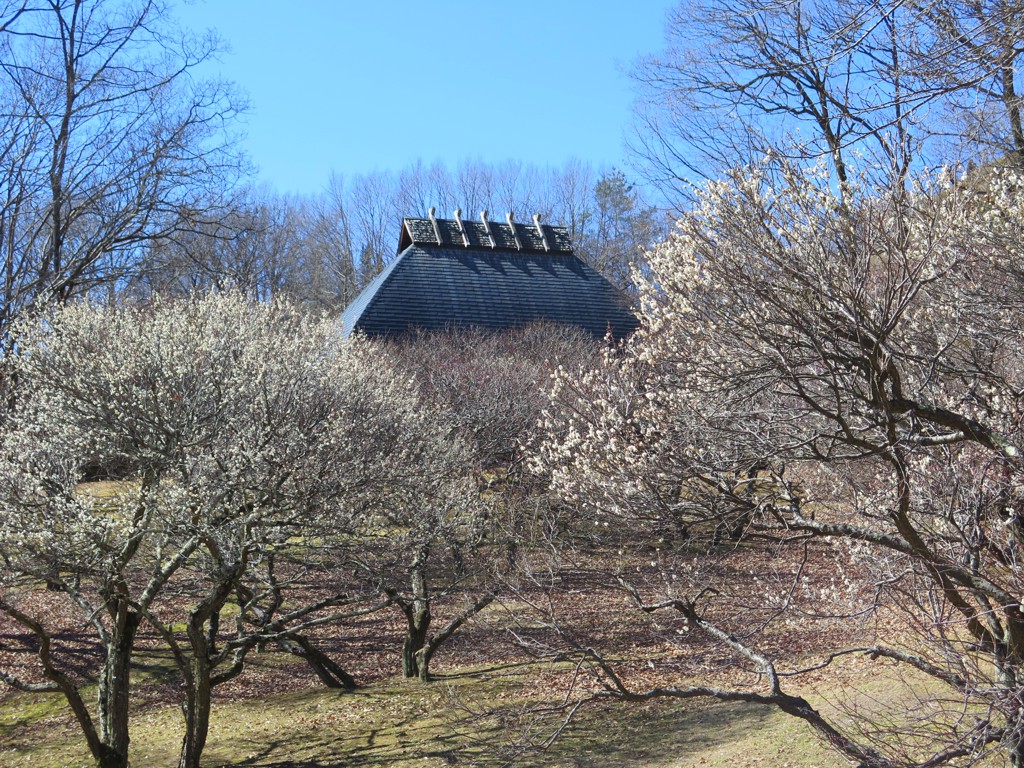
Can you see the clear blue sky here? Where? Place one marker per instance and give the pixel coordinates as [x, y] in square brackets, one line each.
[355, 86]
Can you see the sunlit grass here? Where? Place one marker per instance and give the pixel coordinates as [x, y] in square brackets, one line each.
[402, 724]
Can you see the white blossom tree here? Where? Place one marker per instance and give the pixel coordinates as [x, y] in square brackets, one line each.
[253, 447]
[831, 377]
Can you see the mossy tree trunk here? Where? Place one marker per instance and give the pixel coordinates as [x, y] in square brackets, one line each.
[419, 646]
[417, 616]
[197, 668]
[115, 687]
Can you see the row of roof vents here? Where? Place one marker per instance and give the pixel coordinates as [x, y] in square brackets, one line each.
[485, 234]
[487, 228]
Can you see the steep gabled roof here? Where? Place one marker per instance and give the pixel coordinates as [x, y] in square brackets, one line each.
[455, 273]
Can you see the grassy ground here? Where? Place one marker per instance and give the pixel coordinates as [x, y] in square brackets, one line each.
[468, 716]
[404, 724]
[276, 716]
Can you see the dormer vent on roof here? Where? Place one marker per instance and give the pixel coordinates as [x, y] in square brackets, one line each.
[540, 231]
[487, 227]
[484, 235]
[461, 227]
[433, 223]
[512, 227]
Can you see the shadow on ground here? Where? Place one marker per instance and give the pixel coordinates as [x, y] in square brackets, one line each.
[664, 734]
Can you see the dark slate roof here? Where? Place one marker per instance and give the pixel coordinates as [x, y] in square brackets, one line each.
[442, 286]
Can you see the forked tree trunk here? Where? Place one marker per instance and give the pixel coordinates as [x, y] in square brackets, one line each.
[198, 685]
[108, 744]
[417, 615]
[419, 648]
[426, 653]
[196, 709]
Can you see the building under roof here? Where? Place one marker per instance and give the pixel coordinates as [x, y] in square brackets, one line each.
[454, 273]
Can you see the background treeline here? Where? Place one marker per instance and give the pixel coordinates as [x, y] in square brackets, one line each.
[320, 251]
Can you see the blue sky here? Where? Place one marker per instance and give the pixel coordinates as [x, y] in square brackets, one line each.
[353, 87]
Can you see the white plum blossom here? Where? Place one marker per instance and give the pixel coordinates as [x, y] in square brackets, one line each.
[248, 446]
[845, 369]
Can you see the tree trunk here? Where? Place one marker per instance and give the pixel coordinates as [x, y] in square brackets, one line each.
[105, 755]
[211, 632]
[1006, 677]
[1007, 71]
[329, 671]
[417, 615]
[196, 709]
[196, 706]
[426, 653]
[201, 632]
[114, 690]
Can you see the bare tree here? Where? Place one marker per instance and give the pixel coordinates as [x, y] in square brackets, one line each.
[738, 80]
[570, 192]
[256, 245]
[327, 276]
[971, 53]
[109, 143]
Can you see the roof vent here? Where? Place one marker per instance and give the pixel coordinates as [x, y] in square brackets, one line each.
[540, 231]
[461, 226]
[487, 228]
[437, 230]
[512, 226]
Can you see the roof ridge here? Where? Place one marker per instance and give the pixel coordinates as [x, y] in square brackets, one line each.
[485, 235]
